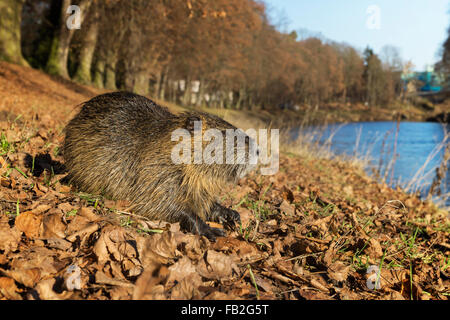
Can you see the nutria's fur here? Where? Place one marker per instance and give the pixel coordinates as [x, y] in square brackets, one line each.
[120, 145]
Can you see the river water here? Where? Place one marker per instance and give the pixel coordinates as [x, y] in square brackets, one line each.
[419, 149]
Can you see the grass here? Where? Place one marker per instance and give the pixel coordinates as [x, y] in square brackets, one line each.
[5, 145]
[91, 199]
[72, 213]
[252, 277]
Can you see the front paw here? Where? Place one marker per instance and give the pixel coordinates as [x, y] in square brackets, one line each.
[226, 216]
[229, 217]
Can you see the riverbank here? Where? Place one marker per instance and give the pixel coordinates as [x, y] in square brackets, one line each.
[419, 110]
[313, 230]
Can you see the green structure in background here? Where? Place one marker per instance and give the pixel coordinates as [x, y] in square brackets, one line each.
[430, 80]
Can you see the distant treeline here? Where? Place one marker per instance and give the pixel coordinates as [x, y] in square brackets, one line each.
[443, 66]
[223, 53]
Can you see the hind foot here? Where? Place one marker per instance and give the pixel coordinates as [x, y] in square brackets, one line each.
[198, 226]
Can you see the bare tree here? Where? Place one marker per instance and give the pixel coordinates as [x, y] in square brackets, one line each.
[59, 51]
[88, 43]
[11, 17]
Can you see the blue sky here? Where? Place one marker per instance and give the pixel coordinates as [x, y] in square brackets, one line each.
[417, 27]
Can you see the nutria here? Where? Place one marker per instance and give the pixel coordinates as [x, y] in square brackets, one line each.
[119, 145]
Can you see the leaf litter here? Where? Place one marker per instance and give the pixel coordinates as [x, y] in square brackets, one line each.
[312, 231]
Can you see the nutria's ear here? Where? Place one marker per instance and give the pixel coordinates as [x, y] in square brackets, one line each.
[190, 122]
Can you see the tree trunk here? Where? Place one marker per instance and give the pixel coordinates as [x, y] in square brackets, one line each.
[159, 78]
[162, 89]
[11, 17]
[110, 72]
[59, 51]
[141, 83]
[187, 92]
[99, 73]
[241, 98]
[200, 93]
[83, 73]
[164, 83]
[344, 95]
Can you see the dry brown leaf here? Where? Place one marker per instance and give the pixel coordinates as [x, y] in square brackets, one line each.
[374, 250]
[323, 223]
[78, 223]
[88, 213]
[217, 295]
[287, 194]
[393, 295]
[53, 227]
[132, 267]
[107, 244]
[27, 277]
[9, 237]
[243, 250]
[5, 182]
[287, 208]
[64, 189]
[84, 233]
[160, 247]
[44, 291]
[194, 246]
[338, 271]
[102, 278]
[149, 286]
[246, 216]
[317, 282]
[29, 223]
[9, 289]
[187, 288]
[58, 243]
[264, 284]
[347, 294]
[216, 265]
[3, 165]
[66, 207]
[41, 208]
[121, 293]
[36, 257]
[309, 294]
[181, 269]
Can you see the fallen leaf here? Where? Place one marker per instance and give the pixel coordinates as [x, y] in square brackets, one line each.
[9, 237]
[52, 226]
[287, 208]
[29, 223]
[187, 288]
[216, 265]
[9, 289]
[160, 247]
[149, 285]
[338, 271]
[27, 277]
